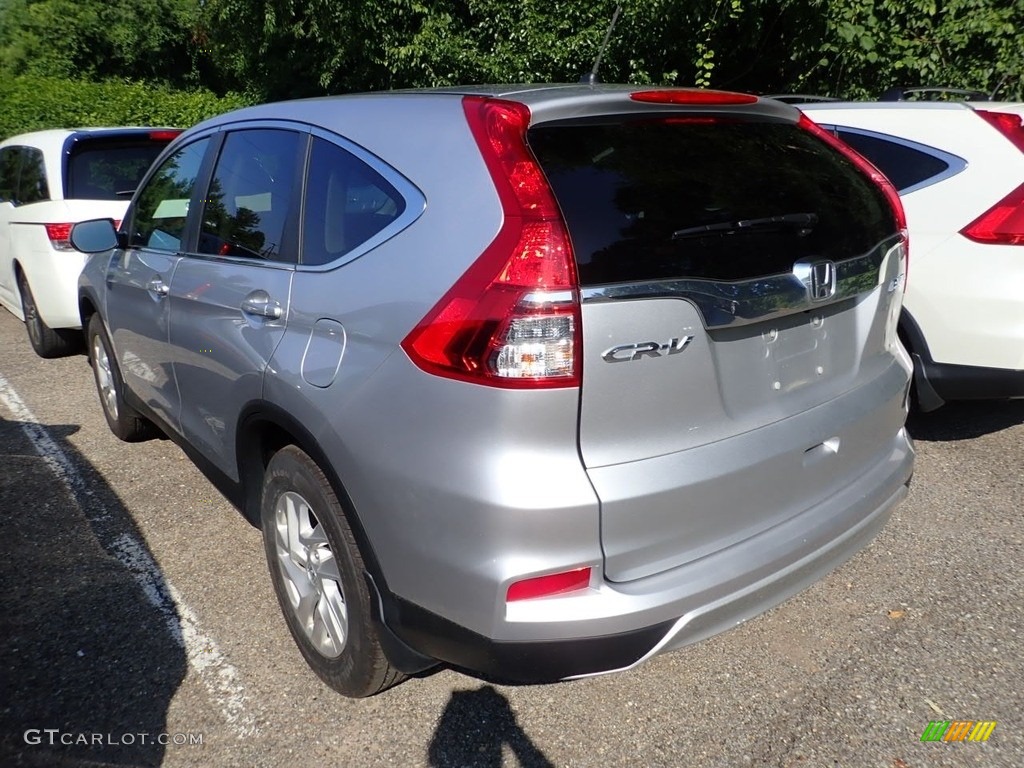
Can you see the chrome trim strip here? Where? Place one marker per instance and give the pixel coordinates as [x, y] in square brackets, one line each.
[725, 304]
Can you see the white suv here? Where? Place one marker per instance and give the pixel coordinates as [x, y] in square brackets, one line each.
[50, 180]
[959, 168]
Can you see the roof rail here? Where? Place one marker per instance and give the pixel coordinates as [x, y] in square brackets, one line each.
[934, 93]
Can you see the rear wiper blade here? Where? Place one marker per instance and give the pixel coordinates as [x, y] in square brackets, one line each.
[802, 220]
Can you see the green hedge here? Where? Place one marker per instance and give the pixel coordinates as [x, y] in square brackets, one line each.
[31, 103]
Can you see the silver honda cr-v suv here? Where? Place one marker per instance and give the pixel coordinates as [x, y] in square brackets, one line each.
[537, 382]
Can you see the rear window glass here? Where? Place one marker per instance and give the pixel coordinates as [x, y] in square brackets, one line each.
[705, 198]
[904, 166]
[109, 169]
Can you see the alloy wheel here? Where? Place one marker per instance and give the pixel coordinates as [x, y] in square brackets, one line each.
[311, 576]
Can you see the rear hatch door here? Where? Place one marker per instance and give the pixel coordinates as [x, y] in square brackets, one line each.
[733, 272]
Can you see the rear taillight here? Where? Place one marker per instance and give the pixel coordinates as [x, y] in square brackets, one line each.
[1007, 123]
[1002, 224]
[513, 318]
[59, 235]
[868, 168]
[693, 97]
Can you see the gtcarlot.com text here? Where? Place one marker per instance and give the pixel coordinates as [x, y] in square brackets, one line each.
[54, 736]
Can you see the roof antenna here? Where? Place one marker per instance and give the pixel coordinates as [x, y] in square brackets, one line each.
[591, 77]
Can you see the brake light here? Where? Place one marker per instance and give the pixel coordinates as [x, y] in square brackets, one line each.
[1007, 123]
[60, 236]
[868, 168]
[547, 586]
[1002, 224]
[693, 97]
[513, 318]
[164, 135]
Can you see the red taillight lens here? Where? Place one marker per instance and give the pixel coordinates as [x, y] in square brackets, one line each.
[693, 97]
[546, 586]
[513, 318]
[1007, 123]
[1002, 224]
[164, 135]
[59, 235]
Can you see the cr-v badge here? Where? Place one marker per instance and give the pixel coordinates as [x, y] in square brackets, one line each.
[624, 353]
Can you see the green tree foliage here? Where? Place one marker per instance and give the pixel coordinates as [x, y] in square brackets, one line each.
[856, 48]
[284, 48]
[29, 103]
[870, 45]
[149, 40]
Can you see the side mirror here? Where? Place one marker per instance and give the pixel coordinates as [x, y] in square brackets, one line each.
[95, 236]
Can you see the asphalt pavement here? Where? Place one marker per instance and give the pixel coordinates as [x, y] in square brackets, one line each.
[138, 627]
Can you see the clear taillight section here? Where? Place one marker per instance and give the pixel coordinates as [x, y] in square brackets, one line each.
[59, 236]
[1002, 224]
[513, 318]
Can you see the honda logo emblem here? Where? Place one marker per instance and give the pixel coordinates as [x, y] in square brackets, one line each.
[819, 277]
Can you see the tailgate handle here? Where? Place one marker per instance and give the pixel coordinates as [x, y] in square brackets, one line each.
[818, 453]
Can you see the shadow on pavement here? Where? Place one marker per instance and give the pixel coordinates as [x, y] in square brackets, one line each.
[474, 729]
[88, 661]
[966, 420]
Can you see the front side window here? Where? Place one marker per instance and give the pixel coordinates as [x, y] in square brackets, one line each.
[32, 187]
[347, 203]
[162, 206]
[250, 198]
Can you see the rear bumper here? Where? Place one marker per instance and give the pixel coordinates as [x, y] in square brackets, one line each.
[674, 608]
[941, 382]
[937, 383]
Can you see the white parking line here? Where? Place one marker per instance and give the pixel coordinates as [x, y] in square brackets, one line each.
[220, 678]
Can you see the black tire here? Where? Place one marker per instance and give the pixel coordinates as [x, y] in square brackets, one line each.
[123, 420]
[46, 341]
[317, 572]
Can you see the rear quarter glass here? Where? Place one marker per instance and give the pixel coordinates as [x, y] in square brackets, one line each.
[635, 194]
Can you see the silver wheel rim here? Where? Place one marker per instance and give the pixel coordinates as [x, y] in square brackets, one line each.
[312, 580]
[104, 377]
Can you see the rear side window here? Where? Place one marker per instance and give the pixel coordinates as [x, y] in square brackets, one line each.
[161, 209]
[904, 166]
[347, 203]
[251, 196]
[8, 173]
[719, 199]
[32, 187]
[23, 175]
[109, 168]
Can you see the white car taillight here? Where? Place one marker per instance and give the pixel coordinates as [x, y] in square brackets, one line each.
[59, 236]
